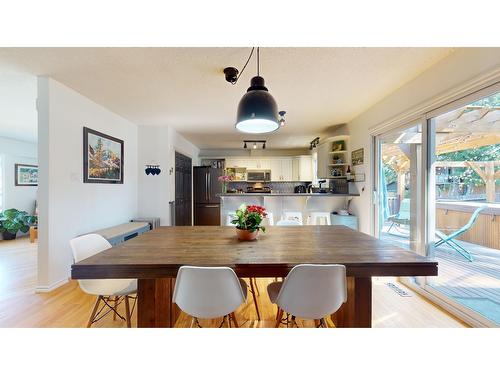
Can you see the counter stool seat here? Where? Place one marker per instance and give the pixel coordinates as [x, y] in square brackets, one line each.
[317, 217]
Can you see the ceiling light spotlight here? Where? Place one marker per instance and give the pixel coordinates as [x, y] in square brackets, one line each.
[254, 145]
[282, 118]
[244, 145]
[231, 74]
[264, 146]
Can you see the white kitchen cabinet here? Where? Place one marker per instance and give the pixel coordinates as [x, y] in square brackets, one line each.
[296, 169]
[302, 168]
[323, 160]
[286, 169]
[275, 169]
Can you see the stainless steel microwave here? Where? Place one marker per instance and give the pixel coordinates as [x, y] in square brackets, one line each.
[259, 175]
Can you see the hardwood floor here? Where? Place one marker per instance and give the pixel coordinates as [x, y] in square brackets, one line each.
[68, 306]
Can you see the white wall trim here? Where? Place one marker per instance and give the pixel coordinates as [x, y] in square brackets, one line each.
[415, 114]
[51, 287]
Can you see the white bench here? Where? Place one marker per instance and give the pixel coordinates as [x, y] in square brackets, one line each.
[123, 232]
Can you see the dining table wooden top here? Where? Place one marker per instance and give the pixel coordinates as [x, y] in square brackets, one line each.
[160, 252]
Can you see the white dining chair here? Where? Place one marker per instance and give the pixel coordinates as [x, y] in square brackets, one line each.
[287, 222]
[293, 215]
[310, 291]
[209, 292]
[111, 292]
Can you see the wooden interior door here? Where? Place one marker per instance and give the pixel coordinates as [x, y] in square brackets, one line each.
[183, 190]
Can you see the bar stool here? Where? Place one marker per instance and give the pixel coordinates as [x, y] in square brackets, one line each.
[229, 219]
[293, 215]
[317, 217]
[270, 218]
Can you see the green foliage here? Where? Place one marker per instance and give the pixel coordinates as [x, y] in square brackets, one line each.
[390, 174]
[13, 220]
[249, 218]
[467, 175]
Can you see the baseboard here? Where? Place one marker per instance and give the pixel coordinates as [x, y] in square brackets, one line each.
[51, 287]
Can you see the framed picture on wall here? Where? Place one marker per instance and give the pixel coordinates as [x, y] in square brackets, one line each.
[102, 158]
[26, 175]
[358, 156]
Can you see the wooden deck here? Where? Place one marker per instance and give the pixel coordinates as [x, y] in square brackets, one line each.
[474, 284]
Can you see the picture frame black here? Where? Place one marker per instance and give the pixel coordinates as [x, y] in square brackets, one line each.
[87, 172]
[17, 173]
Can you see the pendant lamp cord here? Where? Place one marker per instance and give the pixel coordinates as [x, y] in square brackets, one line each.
[242, 70]
[258, 61]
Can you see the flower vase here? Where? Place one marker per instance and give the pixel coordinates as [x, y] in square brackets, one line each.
[246, 235]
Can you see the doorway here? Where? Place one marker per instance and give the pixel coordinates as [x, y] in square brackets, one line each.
[183, 190]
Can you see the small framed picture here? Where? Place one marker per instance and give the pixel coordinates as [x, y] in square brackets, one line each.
[102, 158]
[26, 175]
[358, 156]
[338, 146]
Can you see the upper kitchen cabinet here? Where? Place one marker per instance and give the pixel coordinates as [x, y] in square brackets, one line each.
[302, 168]
[281, 169]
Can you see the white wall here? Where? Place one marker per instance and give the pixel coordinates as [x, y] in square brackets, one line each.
[459, 68]
[14, 151]
[67, 206]
[157, 145]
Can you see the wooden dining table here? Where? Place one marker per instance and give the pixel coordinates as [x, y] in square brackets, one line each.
[155, 257]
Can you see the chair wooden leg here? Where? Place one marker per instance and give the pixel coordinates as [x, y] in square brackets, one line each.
[252, 289]
[233, 318]
[94, 311]
[256, 286]
[127, 312]
[323, 323]
[317, 323]
[278, 317]
[115, 306]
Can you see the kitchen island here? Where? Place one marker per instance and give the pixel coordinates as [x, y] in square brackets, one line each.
[278, 203]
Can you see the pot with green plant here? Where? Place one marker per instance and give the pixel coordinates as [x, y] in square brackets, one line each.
[248, 220]
[13, 221]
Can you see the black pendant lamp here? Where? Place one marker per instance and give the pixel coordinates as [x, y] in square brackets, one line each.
[257, 110]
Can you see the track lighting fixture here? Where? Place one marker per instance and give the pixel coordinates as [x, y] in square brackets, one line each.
[314, 143]
[255, 144]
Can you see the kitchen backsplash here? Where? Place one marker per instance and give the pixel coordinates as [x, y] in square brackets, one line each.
[277, 187]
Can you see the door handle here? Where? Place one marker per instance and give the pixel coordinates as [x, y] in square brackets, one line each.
[212, 206]
[209, 187]
[206, 186]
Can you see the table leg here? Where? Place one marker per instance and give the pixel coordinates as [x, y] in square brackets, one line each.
[154, 303]
[357, 311]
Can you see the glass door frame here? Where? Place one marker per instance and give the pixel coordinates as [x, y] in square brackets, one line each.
[420, 191]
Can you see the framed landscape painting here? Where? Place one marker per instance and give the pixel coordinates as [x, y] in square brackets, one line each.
[26, 175]
[102, 158]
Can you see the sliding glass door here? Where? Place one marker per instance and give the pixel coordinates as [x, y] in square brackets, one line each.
[464, 206]
[437, 192]
[398, 191]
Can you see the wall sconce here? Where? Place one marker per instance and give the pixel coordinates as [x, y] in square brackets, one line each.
[152, 169]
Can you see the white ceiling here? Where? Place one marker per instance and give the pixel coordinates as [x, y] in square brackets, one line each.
[185, 87]
[18, 117]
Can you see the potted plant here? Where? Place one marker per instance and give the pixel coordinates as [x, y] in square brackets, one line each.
[248, 221]
[13, 221]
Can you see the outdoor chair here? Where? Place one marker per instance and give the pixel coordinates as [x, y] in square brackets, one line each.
[449, 239]
[403, 216]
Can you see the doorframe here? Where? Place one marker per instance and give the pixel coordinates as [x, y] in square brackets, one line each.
[181, 152]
